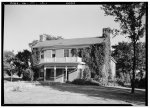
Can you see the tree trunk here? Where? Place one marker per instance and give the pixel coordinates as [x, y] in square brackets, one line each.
[11, 76]
[134, 65]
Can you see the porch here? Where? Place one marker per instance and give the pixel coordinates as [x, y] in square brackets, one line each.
[60, 74]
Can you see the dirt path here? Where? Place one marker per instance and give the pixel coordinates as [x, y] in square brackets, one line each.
[28, 93]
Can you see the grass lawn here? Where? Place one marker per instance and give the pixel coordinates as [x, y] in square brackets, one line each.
[20, 92]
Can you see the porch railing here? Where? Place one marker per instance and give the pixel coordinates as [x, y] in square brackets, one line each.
[61, 60]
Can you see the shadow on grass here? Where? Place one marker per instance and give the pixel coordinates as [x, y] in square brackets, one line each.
[13, 79]
[100, 91]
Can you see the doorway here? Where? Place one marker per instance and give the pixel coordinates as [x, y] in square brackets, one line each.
[50, 74]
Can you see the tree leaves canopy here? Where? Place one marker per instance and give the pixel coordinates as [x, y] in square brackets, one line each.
[131, 17]
[123, 54]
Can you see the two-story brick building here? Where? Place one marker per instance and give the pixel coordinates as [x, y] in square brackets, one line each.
[56, 62]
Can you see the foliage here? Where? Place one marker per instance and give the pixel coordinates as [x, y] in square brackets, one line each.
[141, 56]
[94, 57]
[8, 66]
[24, 57]
[28, 75]
[50, 37]
[16, 63]
[36, 73]
[84, 82]
[140, 83]
[120, 81]
[123, 54]
[22, 61]
[131, 18]
[86, 73]
[7, 55]
[7, 58]
[16, 89]
[35, 56]
[74, 52]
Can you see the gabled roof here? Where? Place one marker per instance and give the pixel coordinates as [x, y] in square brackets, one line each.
[70, 42]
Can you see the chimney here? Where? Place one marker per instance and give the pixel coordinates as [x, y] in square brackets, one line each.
[107, 65]
[42, 38]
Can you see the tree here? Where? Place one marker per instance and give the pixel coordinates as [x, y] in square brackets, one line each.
[123, 53]
[131, 19]
[22, 61]
[7, 55]
[8, 58]
[50, 37]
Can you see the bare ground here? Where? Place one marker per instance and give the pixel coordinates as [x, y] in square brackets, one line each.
[21, 92]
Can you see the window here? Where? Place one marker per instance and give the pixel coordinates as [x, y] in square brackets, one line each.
[66, 52]
[53, 53]
[42, 54]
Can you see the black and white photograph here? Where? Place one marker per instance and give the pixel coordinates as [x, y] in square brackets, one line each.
[74, 53]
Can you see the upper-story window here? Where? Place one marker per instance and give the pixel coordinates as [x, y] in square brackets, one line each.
[66, 52]
[53, 53]
[42, 54]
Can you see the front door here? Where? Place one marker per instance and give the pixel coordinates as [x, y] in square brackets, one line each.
[50, 74]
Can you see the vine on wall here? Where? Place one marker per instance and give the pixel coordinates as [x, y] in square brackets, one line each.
[35, 56]
[94, 57]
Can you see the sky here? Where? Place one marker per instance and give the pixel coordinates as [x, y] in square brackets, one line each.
[24, 23]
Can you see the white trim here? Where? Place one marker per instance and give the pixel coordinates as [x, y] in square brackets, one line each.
[45, 73]
[66, 68]
[60, 67]
[54, 73]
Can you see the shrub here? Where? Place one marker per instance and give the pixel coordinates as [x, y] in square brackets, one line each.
[36, 73]
[84, 82]
[16, 89]
[140, 83]
[120, 81]
[102, 80]
[86, 73]
[28, 75]
[69, 82]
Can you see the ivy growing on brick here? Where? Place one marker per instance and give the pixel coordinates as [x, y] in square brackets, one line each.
[94, 57]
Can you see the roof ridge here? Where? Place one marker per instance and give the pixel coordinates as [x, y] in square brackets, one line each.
[72, 41]
[75, 38]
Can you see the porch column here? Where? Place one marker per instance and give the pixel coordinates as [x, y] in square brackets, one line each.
[44, 73]
[77, 52]
[54, 73]
[66, 68]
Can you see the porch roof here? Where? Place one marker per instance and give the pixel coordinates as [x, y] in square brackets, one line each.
[70, 42]
[59, 64]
